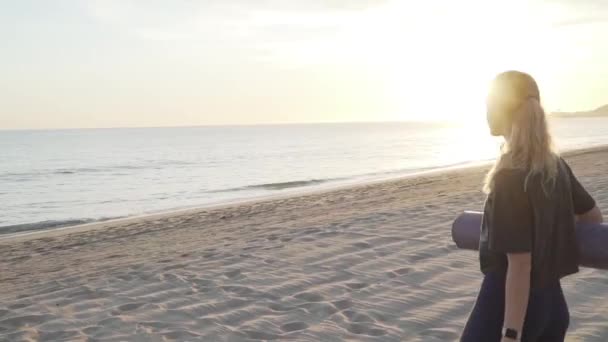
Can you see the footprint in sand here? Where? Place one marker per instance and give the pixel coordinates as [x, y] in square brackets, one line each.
[420, 256]
[127, 307]
[125, 277]
[85, 292]
[280, 307]
[258, 335]
[398, 272]
[19, 258]
[67, 335]
[20, 321]
[181, 335]
[360, 329]
[310, 297]
[111, 323]
[383, 252]
[91, 330]
[311, 231]
[356, 317]
[233, 274]
[113, 256]
[172, 267]
[307, 239]
[294, 326]
[362, 245]
[319, 310]
[210, 255]
[356, 286]
[238, 290]
[403, 270]
[342, 304]
[443, 334]
[18, 306]
[203, 282]
[329, 234]
[457, 264]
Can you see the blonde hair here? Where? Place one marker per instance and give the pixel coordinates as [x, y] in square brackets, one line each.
[529, 145]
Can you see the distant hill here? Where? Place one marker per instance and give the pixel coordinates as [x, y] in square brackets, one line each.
[598, 112]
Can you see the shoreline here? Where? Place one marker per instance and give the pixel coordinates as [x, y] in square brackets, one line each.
[315, 190]
[309, 190]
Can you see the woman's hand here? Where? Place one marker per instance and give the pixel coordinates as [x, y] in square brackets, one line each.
[592, 216]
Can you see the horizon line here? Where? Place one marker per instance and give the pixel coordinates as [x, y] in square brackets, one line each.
[228, 125]
[445, 121]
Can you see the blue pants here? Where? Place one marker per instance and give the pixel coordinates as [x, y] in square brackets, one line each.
[547, 316]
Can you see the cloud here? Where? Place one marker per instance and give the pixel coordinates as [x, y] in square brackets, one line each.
[565, 13]
[157, 21]
[283, 31]
[581, 21]
[189, 20]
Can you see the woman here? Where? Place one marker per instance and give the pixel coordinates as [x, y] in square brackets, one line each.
[527, 241]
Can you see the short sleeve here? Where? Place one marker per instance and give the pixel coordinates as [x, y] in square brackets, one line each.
[581, 199]
[512, 220]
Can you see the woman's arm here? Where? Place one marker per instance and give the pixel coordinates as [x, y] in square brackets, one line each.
[592, 216]
[510, 231]
[517, 290]
[585, 207]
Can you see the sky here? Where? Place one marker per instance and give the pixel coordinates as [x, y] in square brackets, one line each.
[119, 63]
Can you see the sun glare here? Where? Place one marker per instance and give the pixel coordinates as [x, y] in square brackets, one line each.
[437, 66]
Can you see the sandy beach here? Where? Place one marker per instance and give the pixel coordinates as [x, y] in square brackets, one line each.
[371, 262]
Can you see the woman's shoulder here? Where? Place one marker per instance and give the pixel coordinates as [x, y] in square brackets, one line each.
[511, 178]
[509, 182]
[510, 175]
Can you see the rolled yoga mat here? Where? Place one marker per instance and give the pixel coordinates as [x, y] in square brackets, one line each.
[592, 238]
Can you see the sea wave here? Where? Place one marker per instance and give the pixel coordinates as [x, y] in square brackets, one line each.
[278, 185]
[83, 170]
[311, 182]
[50, 224]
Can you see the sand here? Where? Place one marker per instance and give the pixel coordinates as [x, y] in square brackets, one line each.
[371, 262]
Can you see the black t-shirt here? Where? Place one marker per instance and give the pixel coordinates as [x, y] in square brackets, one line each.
[515, 220]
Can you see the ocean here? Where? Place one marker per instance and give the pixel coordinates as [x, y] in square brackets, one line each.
[56, 178]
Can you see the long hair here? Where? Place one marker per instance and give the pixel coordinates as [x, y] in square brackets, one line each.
[529, 145]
